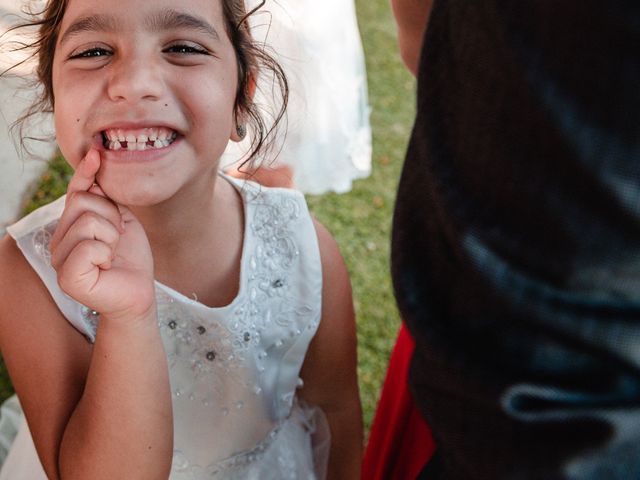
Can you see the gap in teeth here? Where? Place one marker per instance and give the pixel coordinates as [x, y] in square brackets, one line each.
[116, 139]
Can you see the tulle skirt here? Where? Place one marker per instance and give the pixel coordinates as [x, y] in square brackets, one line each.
[298, 450]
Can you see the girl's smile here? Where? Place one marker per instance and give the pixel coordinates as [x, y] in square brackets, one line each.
[137, 147]
[138, 139]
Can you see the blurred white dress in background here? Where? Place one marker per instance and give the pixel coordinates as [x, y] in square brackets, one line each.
[326, 139]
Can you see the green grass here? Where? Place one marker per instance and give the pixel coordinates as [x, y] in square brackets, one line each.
[360, 220]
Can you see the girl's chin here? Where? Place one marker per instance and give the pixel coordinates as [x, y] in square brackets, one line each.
[134, 193]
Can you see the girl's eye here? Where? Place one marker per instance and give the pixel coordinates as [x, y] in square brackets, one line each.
[186, 50]
[91, 53]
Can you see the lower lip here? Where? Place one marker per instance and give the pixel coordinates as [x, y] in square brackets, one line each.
[149, 154]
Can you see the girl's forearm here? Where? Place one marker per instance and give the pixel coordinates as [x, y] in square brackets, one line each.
[122, 426]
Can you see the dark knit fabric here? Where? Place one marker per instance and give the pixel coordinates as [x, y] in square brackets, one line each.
[516, 239]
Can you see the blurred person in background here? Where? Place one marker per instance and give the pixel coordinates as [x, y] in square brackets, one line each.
[516, 236]
[327, 140]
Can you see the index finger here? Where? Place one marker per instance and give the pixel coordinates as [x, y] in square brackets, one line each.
[85, 175]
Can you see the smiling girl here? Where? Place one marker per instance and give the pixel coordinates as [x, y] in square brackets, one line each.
[162, 320]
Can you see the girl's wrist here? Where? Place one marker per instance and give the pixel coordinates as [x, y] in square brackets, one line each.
[130, 319]
[134, 309]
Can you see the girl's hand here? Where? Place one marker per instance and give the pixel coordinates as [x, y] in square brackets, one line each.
[100, 250]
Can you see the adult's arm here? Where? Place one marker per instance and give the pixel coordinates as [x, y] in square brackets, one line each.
[411, 18]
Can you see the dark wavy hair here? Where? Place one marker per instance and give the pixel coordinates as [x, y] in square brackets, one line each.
[252, 59]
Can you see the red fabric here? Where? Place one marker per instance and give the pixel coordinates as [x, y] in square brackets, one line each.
[400, 442]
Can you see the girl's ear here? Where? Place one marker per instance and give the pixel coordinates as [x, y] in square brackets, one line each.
[239, 128]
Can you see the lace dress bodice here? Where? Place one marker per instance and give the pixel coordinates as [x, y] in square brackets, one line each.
[234, 370]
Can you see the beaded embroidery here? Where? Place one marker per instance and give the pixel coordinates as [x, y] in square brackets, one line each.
[41, 240]
[207, 346]
[217, 351]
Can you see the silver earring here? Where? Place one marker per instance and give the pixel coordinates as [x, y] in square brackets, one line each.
[241, 130]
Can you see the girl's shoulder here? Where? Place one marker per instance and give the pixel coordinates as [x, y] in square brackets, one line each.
[22, 292]
[16, 268]
[27, 305]
[16, 272]
[25, 261]
[13, 270]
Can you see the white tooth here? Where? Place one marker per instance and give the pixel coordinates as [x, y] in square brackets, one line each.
[158, 144]
[131, 139]
[162, 135]
[142, 138]
[166, 143]
[131, 145]
[121, 137]
[142, 146]
[153, 134]
[116, 145]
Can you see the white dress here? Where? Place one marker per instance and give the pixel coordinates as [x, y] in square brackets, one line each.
[327, 139]
[234, 370]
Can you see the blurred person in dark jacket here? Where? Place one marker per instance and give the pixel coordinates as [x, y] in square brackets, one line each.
[516, 237]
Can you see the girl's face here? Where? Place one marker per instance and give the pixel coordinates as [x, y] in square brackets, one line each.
[151, 85]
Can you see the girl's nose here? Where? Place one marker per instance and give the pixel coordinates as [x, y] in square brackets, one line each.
[133, 78]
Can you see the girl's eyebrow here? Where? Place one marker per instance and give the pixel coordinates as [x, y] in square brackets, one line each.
[93, 23]
[170, 19]
[164, 20]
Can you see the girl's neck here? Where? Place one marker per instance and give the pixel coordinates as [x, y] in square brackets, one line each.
[196, 229]
[179, 221]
